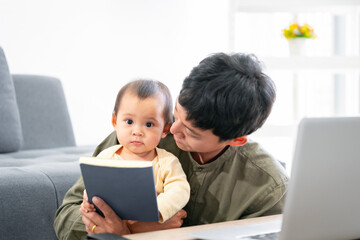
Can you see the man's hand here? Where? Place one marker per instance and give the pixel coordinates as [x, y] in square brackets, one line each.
[174, 222]
[111, 223]
[114, 224]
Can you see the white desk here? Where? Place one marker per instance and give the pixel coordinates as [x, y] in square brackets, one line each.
[184, 233]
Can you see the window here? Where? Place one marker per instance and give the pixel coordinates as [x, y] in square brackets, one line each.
[323, 82]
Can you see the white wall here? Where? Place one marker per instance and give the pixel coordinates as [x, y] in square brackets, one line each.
[95, 46]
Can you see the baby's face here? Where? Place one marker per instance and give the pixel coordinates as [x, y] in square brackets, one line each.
[139, 123]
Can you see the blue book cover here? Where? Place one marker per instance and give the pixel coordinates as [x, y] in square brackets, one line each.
[127, 186]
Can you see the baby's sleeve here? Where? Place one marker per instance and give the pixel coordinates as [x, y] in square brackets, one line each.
[176, 192]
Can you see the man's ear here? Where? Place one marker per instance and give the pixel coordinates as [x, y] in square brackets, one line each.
[113, 120]
[238, 141]
[166, 130]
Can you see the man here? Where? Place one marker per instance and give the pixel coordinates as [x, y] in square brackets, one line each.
[223, 100]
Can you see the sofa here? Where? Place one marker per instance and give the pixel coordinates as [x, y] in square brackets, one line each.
[38, 153]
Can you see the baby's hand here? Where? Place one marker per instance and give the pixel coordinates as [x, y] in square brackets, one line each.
[131, 221]
[86, 206]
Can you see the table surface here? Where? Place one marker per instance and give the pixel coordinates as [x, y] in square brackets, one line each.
[184, 233]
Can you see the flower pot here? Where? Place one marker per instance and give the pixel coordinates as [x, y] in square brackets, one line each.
[297, 46]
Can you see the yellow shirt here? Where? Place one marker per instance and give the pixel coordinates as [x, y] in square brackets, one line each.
[172, 188]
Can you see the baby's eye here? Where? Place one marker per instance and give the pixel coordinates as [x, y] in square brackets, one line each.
[129, 121]
[149, 124]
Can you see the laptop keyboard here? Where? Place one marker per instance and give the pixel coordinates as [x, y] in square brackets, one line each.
[267, 236]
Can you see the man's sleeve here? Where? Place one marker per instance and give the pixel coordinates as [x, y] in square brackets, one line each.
[271, 204]
[68, 223]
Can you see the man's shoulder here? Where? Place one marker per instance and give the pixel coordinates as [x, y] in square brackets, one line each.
[257, 161]
[109, 141]
[168, 143]
[109, 152]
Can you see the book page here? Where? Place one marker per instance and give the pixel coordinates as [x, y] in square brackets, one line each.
[115, 162]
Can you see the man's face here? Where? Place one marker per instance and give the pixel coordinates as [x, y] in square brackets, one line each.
[192, 139]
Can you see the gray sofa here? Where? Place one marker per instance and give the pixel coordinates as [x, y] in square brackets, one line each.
[38, 154]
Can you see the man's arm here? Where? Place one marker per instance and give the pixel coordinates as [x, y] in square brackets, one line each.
[68, 223]
[113, 224]
[272, 204]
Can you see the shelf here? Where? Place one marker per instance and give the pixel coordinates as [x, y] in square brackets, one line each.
[334, 6]
[335, 64]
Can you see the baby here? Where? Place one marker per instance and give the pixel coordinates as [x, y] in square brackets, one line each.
[142, 116]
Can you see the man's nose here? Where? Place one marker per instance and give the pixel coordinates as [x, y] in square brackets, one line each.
[175, 128]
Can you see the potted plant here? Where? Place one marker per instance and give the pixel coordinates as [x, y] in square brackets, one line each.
[296, 35]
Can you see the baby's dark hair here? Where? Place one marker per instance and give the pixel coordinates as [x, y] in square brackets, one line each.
[148, 88]
[228, 94]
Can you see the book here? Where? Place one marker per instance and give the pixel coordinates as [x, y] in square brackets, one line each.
[127, 186]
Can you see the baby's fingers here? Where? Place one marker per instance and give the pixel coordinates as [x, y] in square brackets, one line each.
[87, 207]
[132, 221]
[90, 207]
[85, 196]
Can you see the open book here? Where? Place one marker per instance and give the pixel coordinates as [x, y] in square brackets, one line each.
[127, 186]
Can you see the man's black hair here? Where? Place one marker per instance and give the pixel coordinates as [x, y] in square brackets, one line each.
[228, 94]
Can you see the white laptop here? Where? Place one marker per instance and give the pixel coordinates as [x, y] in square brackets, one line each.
[323, 199]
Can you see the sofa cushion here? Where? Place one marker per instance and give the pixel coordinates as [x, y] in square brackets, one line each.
[11, 137]
[33, 184]
[41, 156]
[28, 204]
[44, 114]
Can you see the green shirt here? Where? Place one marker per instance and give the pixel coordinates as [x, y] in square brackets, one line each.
[243, 182]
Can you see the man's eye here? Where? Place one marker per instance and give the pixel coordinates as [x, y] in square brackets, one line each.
[149, 124]
[190, 134]
[129, 121]
[194, 136]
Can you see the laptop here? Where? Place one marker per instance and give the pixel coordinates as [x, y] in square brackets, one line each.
[323, 199]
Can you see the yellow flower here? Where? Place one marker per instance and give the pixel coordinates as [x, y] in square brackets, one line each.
[295, 30]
